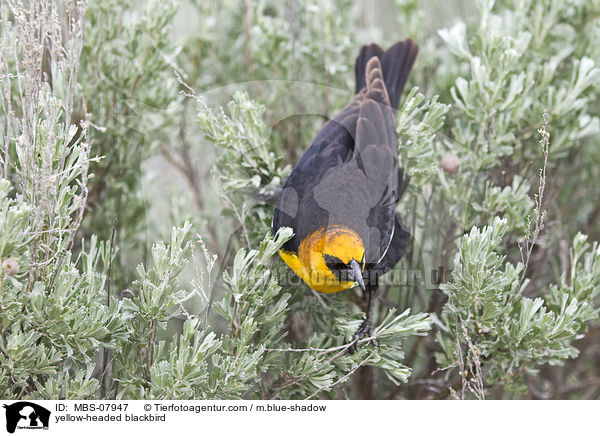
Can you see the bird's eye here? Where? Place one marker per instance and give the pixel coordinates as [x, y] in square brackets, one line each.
[338, 268]
[333, 263]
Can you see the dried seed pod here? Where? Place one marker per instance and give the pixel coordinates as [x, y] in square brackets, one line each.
[10, 266]
[450, 163]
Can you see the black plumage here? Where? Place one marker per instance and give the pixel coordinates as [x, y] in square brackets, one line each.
[350, 174]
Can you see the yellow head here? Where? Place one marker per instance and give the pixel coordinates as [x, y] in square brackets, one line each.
[324, 258]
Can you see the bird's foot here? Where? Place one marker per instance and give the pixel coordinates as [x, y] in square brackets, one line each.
[364, 331]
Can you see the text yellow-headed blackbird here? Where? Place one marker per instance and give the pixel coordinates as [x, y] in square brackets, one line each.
[340, 199]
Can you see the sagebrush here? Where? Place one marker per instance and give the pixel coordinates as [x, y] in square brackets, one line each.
[124, 125]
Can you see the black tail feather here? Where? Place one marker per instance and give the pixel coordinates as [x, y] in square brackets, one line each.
[397, 61]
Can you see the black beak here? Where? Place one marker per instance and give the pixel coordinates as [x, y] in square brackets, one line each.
[357, 273]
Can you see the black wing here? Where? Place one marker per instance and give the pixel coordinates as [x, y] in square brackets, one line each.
[332, 145]
[397, 248]
[376, 149]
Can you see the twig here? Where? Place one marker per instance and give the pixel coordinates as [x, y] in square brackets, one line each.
[344, 378]
[540, 214]
[341, 349]
[240, 219]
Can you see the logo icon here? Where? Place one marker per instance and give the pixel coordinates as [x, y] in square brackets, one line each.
[26, 415]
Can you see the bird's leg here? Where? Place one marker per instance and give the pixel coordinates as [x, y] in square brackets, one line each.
[365, 329]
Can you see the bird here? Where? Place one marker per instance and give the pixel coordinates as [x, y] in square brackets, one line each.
[340, 199]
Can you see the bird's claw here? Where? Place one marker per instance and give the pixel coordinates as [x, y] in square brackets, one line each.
[364, 331]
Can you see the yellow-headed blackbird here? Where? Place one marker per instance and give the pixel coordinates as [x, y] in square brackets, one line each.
[340, 199]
